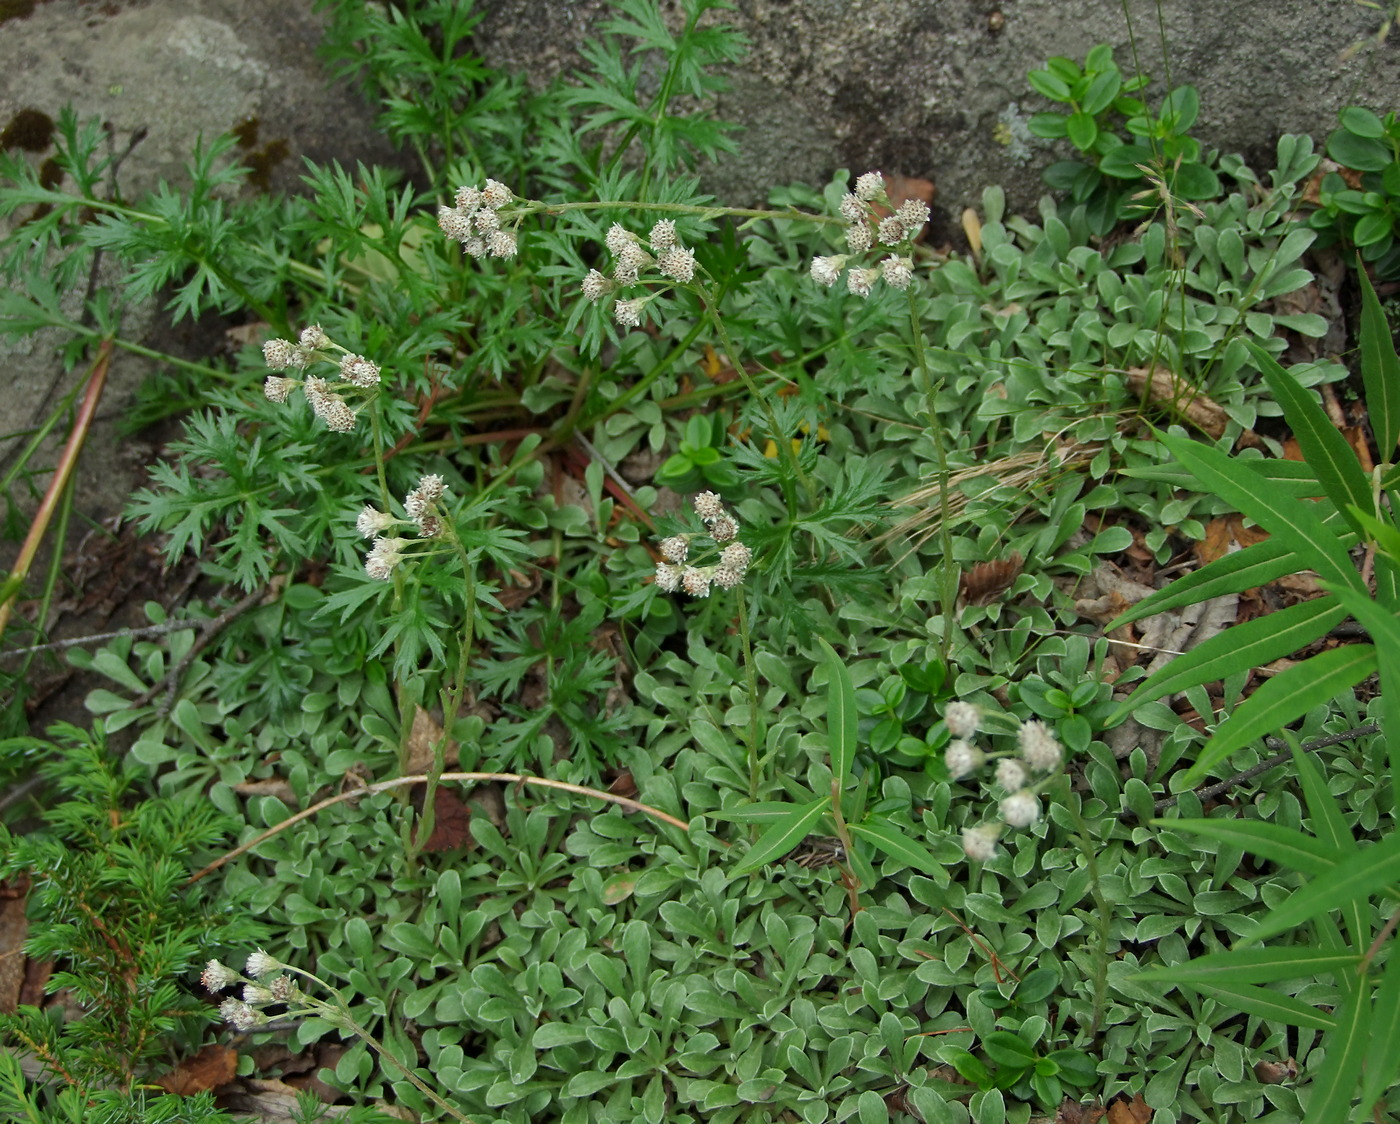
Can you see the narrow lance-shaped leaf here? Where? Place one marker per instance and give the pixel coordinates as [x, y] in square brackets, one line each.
[840, 715]
[1253, 566]
[1334, 1084]
[1329, 825]
[1239, 648]
[1287, 696]
[1363, 875]
[1283, 845]
[898, 844]
[1383, 1054]
[1380, 370]
[1292, 521]
[1267, 1004]
[1255, 966]
[1384, 627]
[1324, 448]
[784, 835]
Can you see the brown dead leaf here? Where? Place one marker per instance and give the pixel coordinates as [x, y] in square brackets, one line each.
[1271, 1072]
[1303, 585]
[1189, 401]
[1356, 438]
[972, 228]
[14, 929]
[214, 1066]
[422, 737]
[1221, 532]
[1072, 1112]
[1292, 451]
[450, 822]
[988, 580]
[1124, 1111]
[624, 784]
[246, 335]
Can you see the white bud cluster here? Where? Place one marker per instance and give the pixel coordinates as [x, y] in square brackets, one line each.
[326, 398]
[474, 220]
[265, 982]
[1038, 755]
[674, 572]
[863, 227]
[662, 251]
[423, 511]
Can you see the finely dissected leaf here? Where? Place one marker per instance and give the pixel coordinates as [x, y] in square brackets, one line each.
[1361, 876]
[1255, 966]
[1334, 1083]
[1287, 696]
[1324, 448]
[1295, 522]
[1239, 648]
[784, 835]
[1380, 370]
[1283, 845]
[1267, 1004]
[840, 715]
[897, 843]
[1383, 1054]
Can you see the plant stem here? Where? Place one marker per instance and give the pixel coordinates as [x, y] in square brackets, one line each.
[948, 593]
[753, 693]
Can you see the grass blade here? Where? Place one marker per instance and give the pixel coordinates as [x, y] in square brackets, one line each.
[1383, 1055]
[1334, 1083]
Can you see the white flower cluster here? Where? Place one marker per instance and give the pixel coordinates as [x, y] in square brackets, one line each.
[662, 252]
[475, 220]
[674, 572]
[423, 507]
[326, 396]
[863, 227]
[1038, 755]
[258, 990]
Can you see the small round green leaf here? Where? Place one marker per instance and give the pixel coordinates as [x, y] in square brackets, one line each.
[1361, 122]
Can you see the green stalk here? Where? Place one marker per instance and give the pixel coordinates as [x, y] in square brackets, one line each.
[752, 683]
[948, 592]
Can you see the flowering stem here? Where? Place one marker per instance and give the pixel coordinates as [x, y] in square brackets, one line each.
[339, 1015]
[753, 693]
[525, 207]
[948, 593]
[452, 700]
